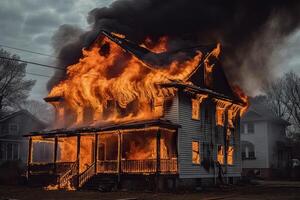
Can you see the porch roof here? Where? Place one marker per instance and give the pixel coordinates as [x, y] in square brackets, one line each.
[65, 132]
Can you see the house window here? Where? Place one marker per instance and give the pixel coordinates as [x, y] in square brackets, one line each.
[195, 109]
[13, 128]
[248, 150]
[195, 152]
[2, 151]
[220, 156]
[230, 154]
[250, 127]
[12, 151]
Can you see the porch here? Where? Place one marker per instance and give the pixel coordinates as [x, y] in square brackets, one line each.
[72, 158]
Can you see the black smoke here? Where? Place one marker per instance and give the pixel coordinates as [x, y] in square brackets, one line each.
[249, 30]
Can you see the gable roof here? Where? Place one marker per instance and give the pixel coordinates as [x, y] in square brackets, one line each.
[19, 112]
[153, 60]
[257, 113]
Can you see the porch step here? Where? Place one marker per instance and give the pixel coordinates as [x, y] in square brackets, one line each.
[102, 182]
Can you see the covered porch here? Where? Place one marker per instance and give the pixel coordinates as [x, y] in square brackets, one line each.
[78, 154]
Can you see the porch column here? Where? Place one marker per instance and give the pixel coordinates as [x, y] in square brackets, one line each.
[119, 156]
[96, 152]
[225, 142]
[29, 156]
[78, 159]
[158, 136]
[55, 153]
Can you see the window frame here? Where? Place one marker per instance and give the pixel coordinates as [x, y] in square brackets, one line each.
[11, 157]
[232, 155]
[253, 124]
[195, 108]
[198, 162]
[14, 132]
[223, 150]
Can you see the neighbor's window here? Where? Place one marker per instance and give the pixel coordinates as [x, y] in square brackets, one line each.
[230, 154]
[195, 152]
[250, 127]
[13, 128]
[195, 109]
[2, 151]
[248, 150]
[221, 154]
[12, 151]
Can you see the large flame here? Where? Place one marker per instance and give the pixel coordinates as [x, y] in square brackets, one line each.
[112, 85]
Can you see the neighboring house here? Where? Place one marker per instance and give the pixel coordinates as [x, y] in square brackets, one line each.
[13, 146]
[265, 149]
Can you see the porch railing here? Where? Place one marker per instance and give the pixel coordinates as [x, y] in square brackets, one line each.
[107, 166]
[138, 166]
[86, 175]
[65, 178]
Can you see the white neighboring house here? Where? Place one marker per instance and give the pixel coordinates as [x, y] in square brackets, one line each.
[265, 150]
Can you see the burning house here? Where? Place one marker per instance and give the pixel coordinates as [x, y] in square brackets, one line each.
[129, 111]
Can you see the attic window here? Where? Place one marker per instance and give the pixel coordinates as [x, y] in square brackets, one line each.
[195, 152]
[195, 109]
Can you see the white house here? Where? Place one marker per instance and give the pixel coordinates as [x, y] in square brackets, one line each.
[264, 143]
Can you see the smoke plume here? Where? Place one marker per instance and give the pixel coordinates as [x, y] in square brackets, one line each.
[249, 31]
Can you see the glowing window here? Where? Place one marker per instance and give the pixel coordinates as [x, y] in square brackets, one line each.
[195, 109]
[230, 154]
[195, 152]
[221, 154]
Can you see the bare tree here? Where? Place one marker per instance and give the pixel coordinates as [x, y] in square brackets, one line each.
[41, 110]
[283, 97]
[13, 87]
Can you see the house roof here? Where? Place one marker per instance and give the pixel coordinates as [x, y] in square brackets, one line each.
[157, 59]
[19, 112]
[220, 86]
[106, 127]
[260, 113]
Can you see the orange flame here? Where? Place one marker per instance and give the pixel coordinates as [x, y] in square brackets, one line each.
[111, 85]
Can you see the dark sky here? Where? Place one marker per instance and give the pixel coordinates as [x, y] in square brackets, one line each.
[30, 24]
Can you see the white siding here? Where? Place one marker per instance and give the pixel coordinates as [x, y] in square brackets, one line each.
[259, 139]
[181, 112]
[190, 130]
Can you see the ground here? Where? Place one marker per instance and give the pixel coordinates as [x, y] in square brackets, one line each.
[271, 190]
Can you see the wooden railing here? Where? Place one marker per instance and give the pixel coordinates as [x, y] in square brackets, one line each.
[107, 166]
[65, 178]
[138, 166]
[168, 165]
[86, 175]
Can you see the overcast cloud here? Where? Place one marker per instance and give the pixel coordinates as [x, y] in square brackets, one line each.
[30, 24]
